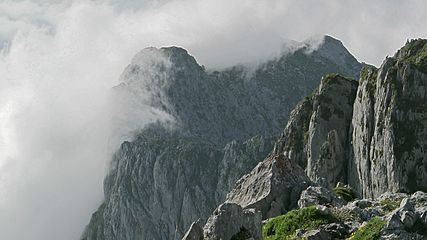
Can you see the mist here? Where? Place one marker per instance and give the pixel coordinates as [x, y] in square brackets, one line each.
[60, 59]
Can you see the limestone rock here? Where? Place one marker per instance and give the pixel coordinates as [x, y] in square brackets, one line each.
[230, 220]
[327, 145]
[318, 196]
[272, 187]
[195, 232]
[314, 234]
[389, 126]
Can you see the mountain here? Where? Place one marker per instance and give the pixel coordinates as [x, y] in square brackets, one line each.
[220, 125]
[367, 138]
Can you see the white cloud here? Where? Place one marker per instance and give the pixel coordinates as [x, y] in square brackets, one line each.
[60, 58]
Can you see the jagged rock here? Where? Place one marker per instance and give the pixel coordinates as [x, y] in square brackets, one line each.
[314, 234]
[316, 136]
[392, 196]
[337, 230]
[362, 203]
[195, 232]
[273, 186]
[402, 235]
[327, 145]
[389, 126]
[230, 220]
[318, 196]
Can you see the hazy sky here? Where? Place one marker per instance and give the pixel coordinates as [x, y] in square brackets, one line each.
[59, 58]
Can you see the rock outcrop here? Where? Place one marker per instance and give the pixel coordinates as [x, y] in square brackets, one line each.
[389, 126]
[272, 187]
[245, 225]
[327, 136]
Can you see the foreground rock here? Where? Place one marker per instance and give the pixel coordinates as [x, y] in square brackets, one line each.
[273, 187]
[246, 223]
[391, 216]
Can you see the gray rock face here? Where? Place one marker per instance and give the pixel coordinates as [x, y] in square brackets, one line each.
[170, 176]
[272, 187]
[230, 221]
[327, 145]
[389, 123]
[316, 136]
[195, 232]
[173, 180]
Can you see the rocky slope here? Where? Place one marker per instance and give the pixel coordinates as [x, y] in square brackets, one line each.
[171, 175]
[370, 135]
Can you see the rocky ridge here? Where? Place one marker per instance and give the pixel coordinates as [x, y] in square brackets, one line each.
[220, 125]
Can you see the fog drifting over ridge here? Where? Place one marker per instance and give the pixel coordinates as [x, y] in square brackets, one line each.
[59, 60]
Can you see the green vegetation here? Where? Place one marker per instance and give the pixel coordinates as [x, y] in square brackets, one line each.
[345, 193]
[285, 226]
[369, 73]
[371, 231]
[390, 204]
[345, 215]
[415, 53]
[335, 78]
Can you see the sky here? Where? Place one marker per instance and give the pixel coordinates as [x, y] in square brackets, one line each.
[59, 59]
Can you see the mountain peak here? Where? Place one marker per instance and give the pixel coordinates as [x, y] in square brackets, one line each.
[173, 55]
[335, 51]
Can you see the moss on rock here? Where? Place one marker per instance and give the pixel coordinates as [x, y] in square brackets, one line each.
[285, 226]
[370, 231]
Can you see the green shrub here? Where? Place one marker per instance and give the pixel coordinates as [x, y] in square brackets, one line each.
[345, 193]
[345, 215]
[415, 53]
[285, 226]
[371, 231]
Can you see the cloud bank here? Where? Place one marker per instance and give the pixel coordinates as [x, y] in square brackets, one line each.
[59, 59]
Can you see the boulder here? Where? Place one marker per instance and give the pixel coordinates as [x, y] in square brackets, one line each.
[230, 220]
[318, 196]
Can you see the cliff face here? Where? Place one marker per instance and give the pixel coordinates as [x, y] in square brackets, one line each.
[327, 145]
[389, 125]
[168, 181]
[171, 175]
